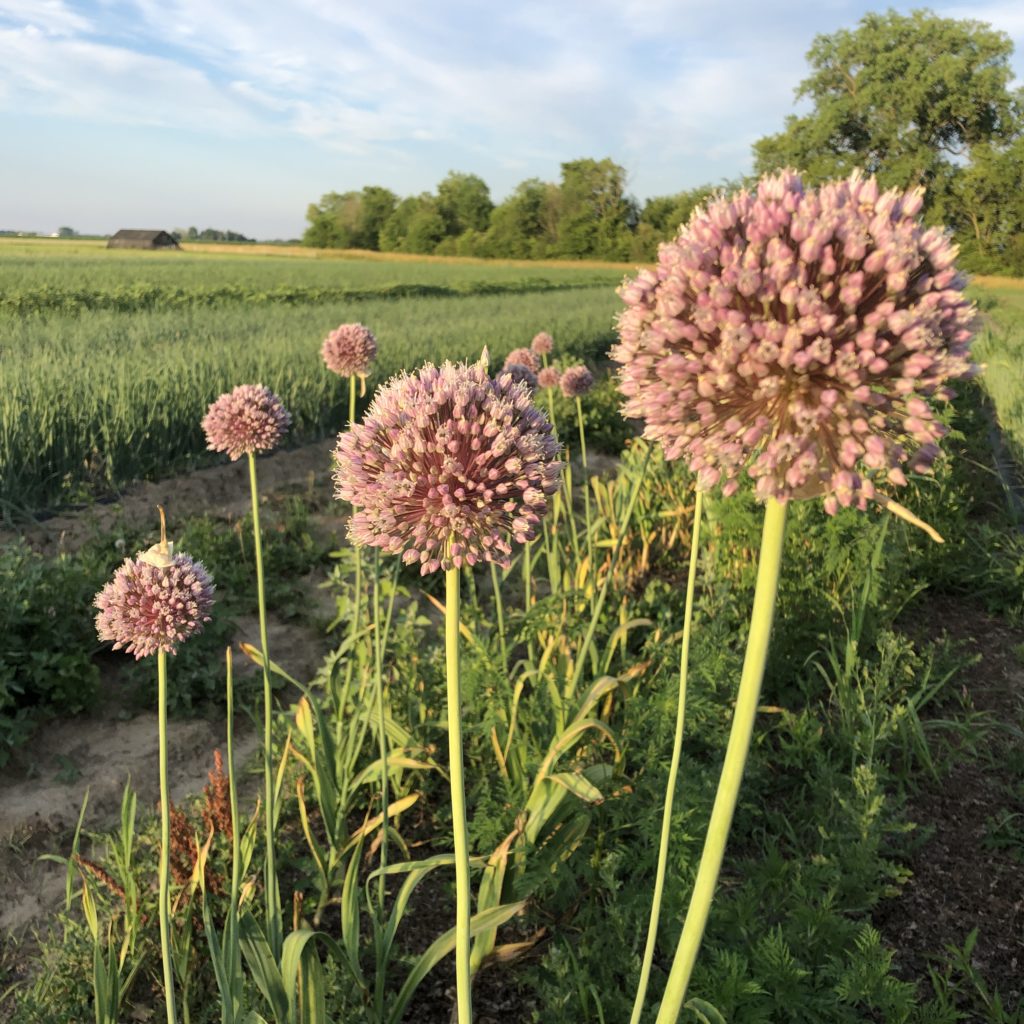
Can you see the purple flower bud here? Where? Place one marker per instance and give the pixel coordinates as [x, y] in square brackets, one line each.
[147, 608]
[797, 333]
[349, 350]
[251, 418]
[448, 467]
[576, 381]
[518, 373]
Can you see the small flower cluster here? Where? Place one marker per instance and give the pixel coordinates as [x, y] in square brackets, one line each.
[576, 381]
[548, 377]
[249, 419]
[521, 374]
[798, 332]
[522, 357]
[447, 466]
[542, 344]
[349, 350]
[148, 607]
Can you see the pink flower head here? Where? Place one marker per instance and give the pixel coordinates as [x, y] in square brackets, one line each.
[576, 381]
[524, 357]
[147, 607]
[349, 350]
[797, 332]
[548, 377]
[542, 344]
[251, 418]
[447, 467]
[518, 373]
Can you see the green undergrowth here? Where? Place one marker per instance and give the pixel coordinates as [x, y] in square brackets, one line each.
[861, 707]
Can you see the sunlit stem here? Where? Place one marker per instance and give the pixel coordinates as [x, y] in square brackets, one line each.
[586, 487]
[673, 772]
[595, 615]
[165, 838]
[271, 894]
[463, 980]
[232, 958]
[740, 734]
[358, 588]
[499, 612]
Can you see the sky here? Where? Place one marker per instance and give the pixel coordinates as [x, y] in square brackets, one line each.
[239, 113]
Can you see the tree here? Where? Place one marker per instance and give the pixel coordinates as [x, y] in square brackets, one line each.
[349, 220]
[464, 203]
[596, 219]
[415, 226]
[525, 225]
[67, 233]
[904, 97]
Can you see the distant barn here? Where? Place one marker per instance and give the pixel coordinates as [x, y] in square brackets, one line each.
[130, 239]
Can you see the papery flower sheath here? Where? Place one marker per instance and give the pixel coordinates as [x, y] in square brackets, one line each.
[448, 467]
[576, 381]
[151, 607]
[349, 350]
[542, 344]
[522, 357]
[798, 333]
[249, 419]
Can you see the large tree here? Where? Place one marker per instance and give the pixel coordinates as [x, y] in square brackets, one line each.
[906, 97]
[464, 203]
[349, 220]
[596, 218]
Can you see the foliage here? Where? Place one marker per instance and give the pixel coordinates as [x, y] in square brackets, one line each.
[954, 124]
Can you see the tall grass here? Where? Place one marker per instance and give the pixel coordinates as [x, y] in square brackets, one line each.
[94, 401]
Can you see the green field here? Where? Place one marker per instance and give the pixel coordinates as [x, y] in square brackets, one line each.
[111, 358]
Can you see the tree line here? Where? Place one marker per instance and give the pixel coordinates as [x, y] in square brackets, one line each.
[915, 99]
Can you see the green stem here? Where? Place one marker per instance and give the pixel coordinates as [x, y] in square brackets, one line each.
[673, 772]
[745, 712]
[273, 899]
[586, 487]
[462, 886]
[382, 737]
[165, 839]
[232, 952]
[499, 611]
[528, 592]
[351, 401]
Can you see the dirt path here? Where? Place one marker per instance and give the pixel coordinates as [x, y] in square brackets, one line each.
[41, 792]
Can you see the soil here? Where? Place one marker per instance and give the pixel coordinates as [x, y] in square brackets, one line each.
[968, 873]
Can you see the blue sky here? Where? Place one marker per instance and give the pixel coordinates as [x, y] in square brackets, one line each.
[238, 113]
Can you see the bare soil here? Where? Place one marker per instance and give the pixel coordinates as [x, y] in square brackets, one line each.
[969, 872]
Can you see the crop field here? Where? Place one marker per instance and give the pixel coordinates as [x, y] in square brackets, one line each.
[110, 359]
[297, 845]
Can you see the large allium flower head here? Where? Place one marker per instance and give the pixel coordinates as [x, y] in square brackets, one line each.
[155, 601]
[448, 467]
[251, 418]
[523, 357]
[548, 377]
[542, 344]
[349, 350]
[520, 373]
[576, 381]
[798, 332]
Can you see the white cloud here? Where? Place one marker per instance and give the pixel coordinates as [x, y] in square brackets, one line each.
[51, 16]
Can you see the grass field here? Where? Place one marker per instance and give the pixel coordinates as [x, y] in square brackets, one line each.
[100, 396]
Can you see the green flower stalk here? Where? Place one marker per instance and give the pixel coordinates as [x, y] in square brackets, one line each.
[154, 602]
[673, 772]
[249, 419]
[447, 469]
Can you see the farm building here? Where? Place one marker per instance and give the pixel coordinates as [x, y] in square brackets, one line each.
[128, 238]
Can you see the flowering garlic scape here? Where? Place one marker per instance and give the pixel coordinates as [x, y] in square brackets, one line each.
[448, 467]
[798, 333]
[155, 601]
[548, 377]
[518, 373]
[349, 350]
[249, 419]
